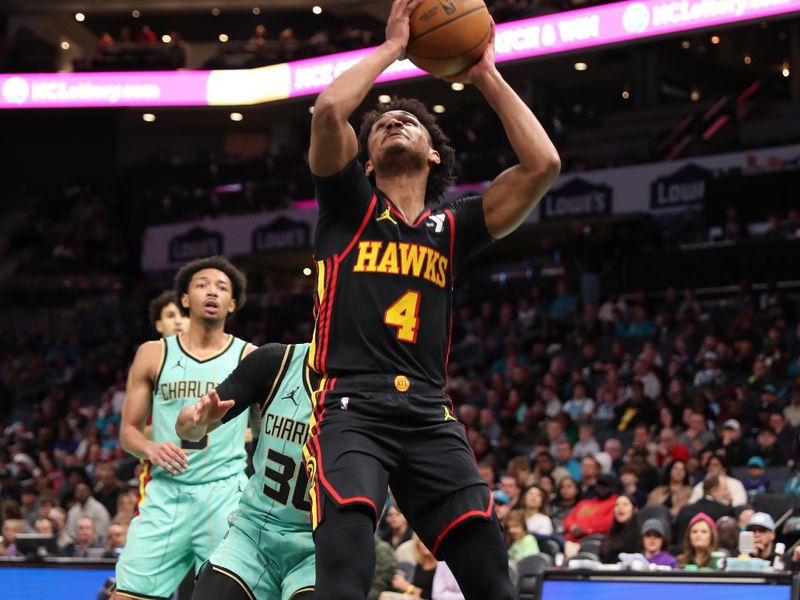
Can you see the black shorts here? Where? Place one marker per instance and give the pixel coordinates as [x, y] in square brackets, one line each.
[366, 435]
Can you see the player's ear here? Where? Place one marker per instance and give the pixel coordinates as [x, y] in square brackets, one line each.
[159, 327]
[434, 158]
[185, 301]
[369, 169]
[232, 309]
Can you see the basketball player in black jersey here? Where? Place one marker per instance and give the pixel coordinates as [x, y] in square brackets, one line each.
[386, 257]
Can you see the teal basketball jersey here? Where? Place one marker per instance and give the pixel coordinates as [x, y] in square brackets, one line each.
[278, 489]
[181, 381]
[277, 378]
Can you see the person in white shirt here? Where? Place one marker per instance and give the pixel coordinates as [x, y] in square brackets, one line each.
[445, 586]
[534, 507]
[716, 465]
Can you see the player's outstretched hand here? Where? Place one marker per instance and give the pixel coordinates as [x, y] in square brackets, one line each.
[398, 27]
[484, 66]
[210, 408]
[167, 456]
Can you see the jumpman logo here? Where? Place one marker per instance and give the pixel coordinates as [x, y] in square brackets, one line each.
[386, 216]
[290, 396]
[179, 364]
[448, 416]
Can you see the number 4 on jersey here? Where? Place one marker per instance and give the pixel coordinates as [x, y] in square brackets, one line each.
[404, 314]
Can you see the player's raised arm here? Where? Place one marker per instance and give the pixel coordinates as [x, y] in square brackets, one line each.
[196, 420]
[513, 194]
[333, 141]
[135, 410]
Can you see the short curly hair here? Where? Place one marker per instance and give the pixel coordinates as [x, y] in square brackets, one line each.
[441, 175]
[158, 303]
[220, 263]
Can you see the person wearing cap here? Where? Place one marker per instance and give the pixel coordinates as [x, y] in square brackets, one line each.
[592, 515]
[756, 481]
[699, 542]
[654, 539]
[502, 504]
[730, 443]
[763, 528]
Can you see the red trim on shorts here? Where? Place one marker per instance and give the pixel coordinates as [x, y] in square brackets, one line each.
[329, 298]
[467, 515]
[324, 316]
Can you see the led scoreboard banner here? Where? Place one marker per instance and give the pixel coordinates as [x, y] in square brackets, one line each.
[539, 36]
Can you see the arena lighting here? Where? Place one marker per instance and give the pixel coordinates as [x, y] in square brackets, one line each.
[235, 116]
[317, 10]
[136, 14]
[311, 110]
[223, 37]
[785, 69]
[215, 12]
[747, 59]
[438, 109]
[625, 94]
[384, 99]
[694, 95]
[148, 117]
[686, 44]
[166, 38]
[256, 11]
[581, 66]
[546, 35]
[307, 272]
[456, 86]
[80, 17]
[65, 45]
[715, 39]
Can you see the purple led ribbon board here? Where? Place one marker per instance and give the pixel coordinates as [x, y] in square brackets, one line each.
[538, 36]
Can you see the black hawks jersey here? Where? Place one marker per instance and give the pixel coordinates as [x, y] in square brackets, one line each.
[384, 289]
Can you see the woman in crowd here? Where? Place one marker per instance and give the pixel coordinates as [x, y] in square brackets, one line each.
[11, 527]
[520, 542]
[654, 539]
[675, 491]
[534, 506]
[566, 498]
[624, 535]
[420, 584]
[397, 529]
[699, 542]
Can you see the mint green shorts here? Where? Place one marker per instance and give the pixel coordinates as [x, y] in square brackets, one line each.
[270, 561]
[177, 528]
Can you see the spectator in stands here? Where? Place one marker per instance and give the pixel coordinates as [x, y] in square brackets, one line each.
[502, 504]
[117, 533]
[59, 518]
[564, 307]
[519, 468]
[629, 485]
[613, 448]
[654, 542]
[419, 584]
[793, 484]
[756, 480]
[696, 436]
[634, 410]
[146, 35]
[728, 532]
[84, 539]
[643, 373]
[730, 444]
[397, 529]
[534, 508]
[590, 470]
[109, 488]
[669, 449]
[518, 538]
[766, 446]
[445, 586]
[11, 528]
[580, 407]
[512, 489]
[567, 493]
[715, 503]
[699, 542]
[763, 528]
[86, 506]
[587, 444]
[624, 535]
[674, 493]
[593, 515]
[785, 434]
[710, 375]
[385, 568]
[259, 37]
[29, 503]
[792, 410]
[566, 461]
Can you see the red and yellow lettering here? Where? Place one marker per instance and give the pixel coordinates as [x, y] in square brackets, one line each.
[367, 256]
[412, 257]
[389, 260]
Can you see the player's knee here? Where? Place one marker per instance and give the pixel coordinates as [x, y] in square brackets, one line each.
[345, 553]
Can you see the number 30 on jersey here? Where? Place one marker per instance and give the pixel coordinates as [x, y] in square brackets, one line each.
[404, 314]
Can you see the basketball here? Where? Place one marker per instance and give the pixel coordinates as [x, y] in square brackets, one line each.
[448, 36]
